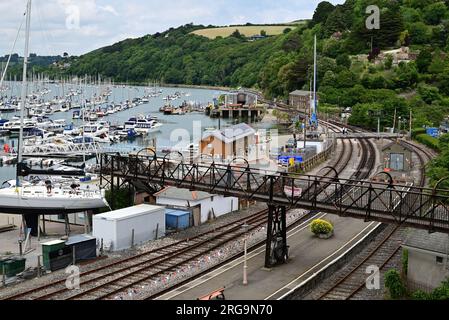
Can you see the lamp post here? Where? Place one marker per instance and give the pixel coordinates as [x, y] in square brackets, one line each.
[245, 257]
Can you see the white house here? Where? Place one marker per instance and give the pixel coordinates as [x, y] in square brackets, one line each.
[428, 264]
[205, 206]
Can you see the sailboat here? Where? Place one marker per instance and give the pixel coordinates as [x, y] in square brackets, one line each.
[45, 197]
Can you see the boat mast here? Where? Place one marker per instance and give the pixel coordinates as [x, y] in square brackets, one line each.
[314, 115]
[24, 89]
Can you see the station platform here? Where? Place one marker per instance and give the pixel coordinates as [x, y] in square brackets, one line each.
[308, 255]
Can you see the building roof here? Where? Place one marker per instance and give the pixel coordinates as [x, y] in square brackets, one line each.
[176, 212]
[183, 194]
[300, 93]
[79, 239]
[129, 212]
[232, 134]
[399, 142]
[434, 242]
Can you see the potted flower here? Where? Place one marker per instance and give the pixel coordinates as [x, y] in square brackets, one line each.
[322, 229]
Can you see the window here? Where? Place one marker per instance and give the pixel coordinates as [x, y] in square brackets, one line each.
[440, 260]
[397, 162]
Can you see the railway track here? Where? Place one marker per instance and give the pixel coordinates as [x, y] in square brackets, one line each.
[354, 281]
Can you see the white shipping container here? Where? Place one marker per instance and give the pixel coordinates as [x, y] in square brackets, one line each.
[115, 228]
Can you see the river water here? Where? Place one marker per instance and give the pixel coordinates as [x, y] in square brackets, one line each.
[174, 126]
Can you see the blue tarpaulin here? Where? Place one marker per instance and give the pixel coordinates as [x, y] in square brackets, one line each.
[433, 132]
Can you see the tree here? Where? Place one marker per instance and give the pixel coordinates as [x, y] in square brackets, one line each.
[424, 60]
[322, 12]
[429, 94]
[435, 12]
[344, 61]
[287, 30]
[237, 34]
[419, 33]
[263, 33]
[404, 38]
[388, 63]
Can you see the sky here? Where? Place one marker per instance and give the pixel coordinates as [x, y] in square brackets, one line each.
[80, 26]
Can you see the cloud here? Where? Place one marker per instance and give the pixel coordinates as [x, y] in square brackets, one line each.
[79, 26]
[109, 9]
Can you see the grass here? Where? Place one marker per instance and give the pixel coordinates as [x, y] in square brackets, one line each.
[247, 31]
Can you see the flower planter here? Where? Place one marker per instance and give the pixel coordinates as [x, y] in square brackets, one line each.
[326, 236]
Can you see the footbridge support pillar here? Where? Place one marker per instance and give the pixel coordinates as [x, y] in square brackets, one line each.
[276, 247]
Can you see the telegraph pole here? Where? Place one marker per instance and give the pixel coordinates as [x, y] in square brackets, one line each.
[394, 121]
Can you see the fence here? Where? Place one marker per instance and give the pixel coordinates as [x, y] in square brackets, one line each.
[315, 160]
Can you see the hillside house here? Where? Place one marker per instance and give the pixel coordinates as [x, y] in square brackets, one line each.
[300, 100]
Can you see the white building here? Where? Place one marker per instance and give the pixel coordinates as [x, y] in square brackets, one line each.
[121, 229]
[205, 206]
[428, 264]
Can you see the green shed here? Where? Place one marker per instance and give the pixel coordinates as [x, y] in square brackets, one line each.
[49, 247]
[12, 266]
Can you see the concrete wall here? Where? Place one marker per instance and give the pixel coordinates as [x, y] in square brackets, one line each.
[424, 270]
[220, 204]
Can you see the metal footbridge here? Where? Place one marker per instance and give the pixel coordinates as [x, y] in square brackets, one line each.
[371, 200]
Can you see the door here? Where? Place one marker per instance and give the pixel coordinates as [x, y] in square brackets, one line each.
[197, 216]
[397, 162]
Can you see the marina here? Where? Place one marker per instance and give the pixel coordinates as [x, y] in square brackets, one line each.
[132, 127]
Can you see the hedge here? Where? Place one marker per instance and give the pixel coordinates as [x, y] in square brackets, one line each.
[428, 141]
[417, 132]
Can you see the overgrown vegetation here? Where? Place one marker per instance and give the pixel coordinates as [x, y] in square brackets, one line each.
[119, 199]
[394, 284]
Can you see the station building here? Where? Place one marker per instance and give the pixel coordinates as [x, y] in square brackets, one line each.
[397, 157]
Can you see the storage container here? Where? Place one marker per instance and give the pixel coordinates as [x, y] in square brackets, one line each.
[115, 228]
[177, 219]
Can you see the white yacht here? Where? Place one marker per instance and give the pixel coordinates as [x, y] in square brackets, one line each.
[48, 198]
[142, 124]
[97, 132]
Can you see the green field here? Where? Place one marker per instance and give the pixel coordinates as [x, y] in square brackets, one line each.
[247, 31]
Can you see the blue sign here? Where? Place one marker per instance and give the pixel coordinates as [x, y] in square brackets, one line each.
[286, 159]
[433, 132]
